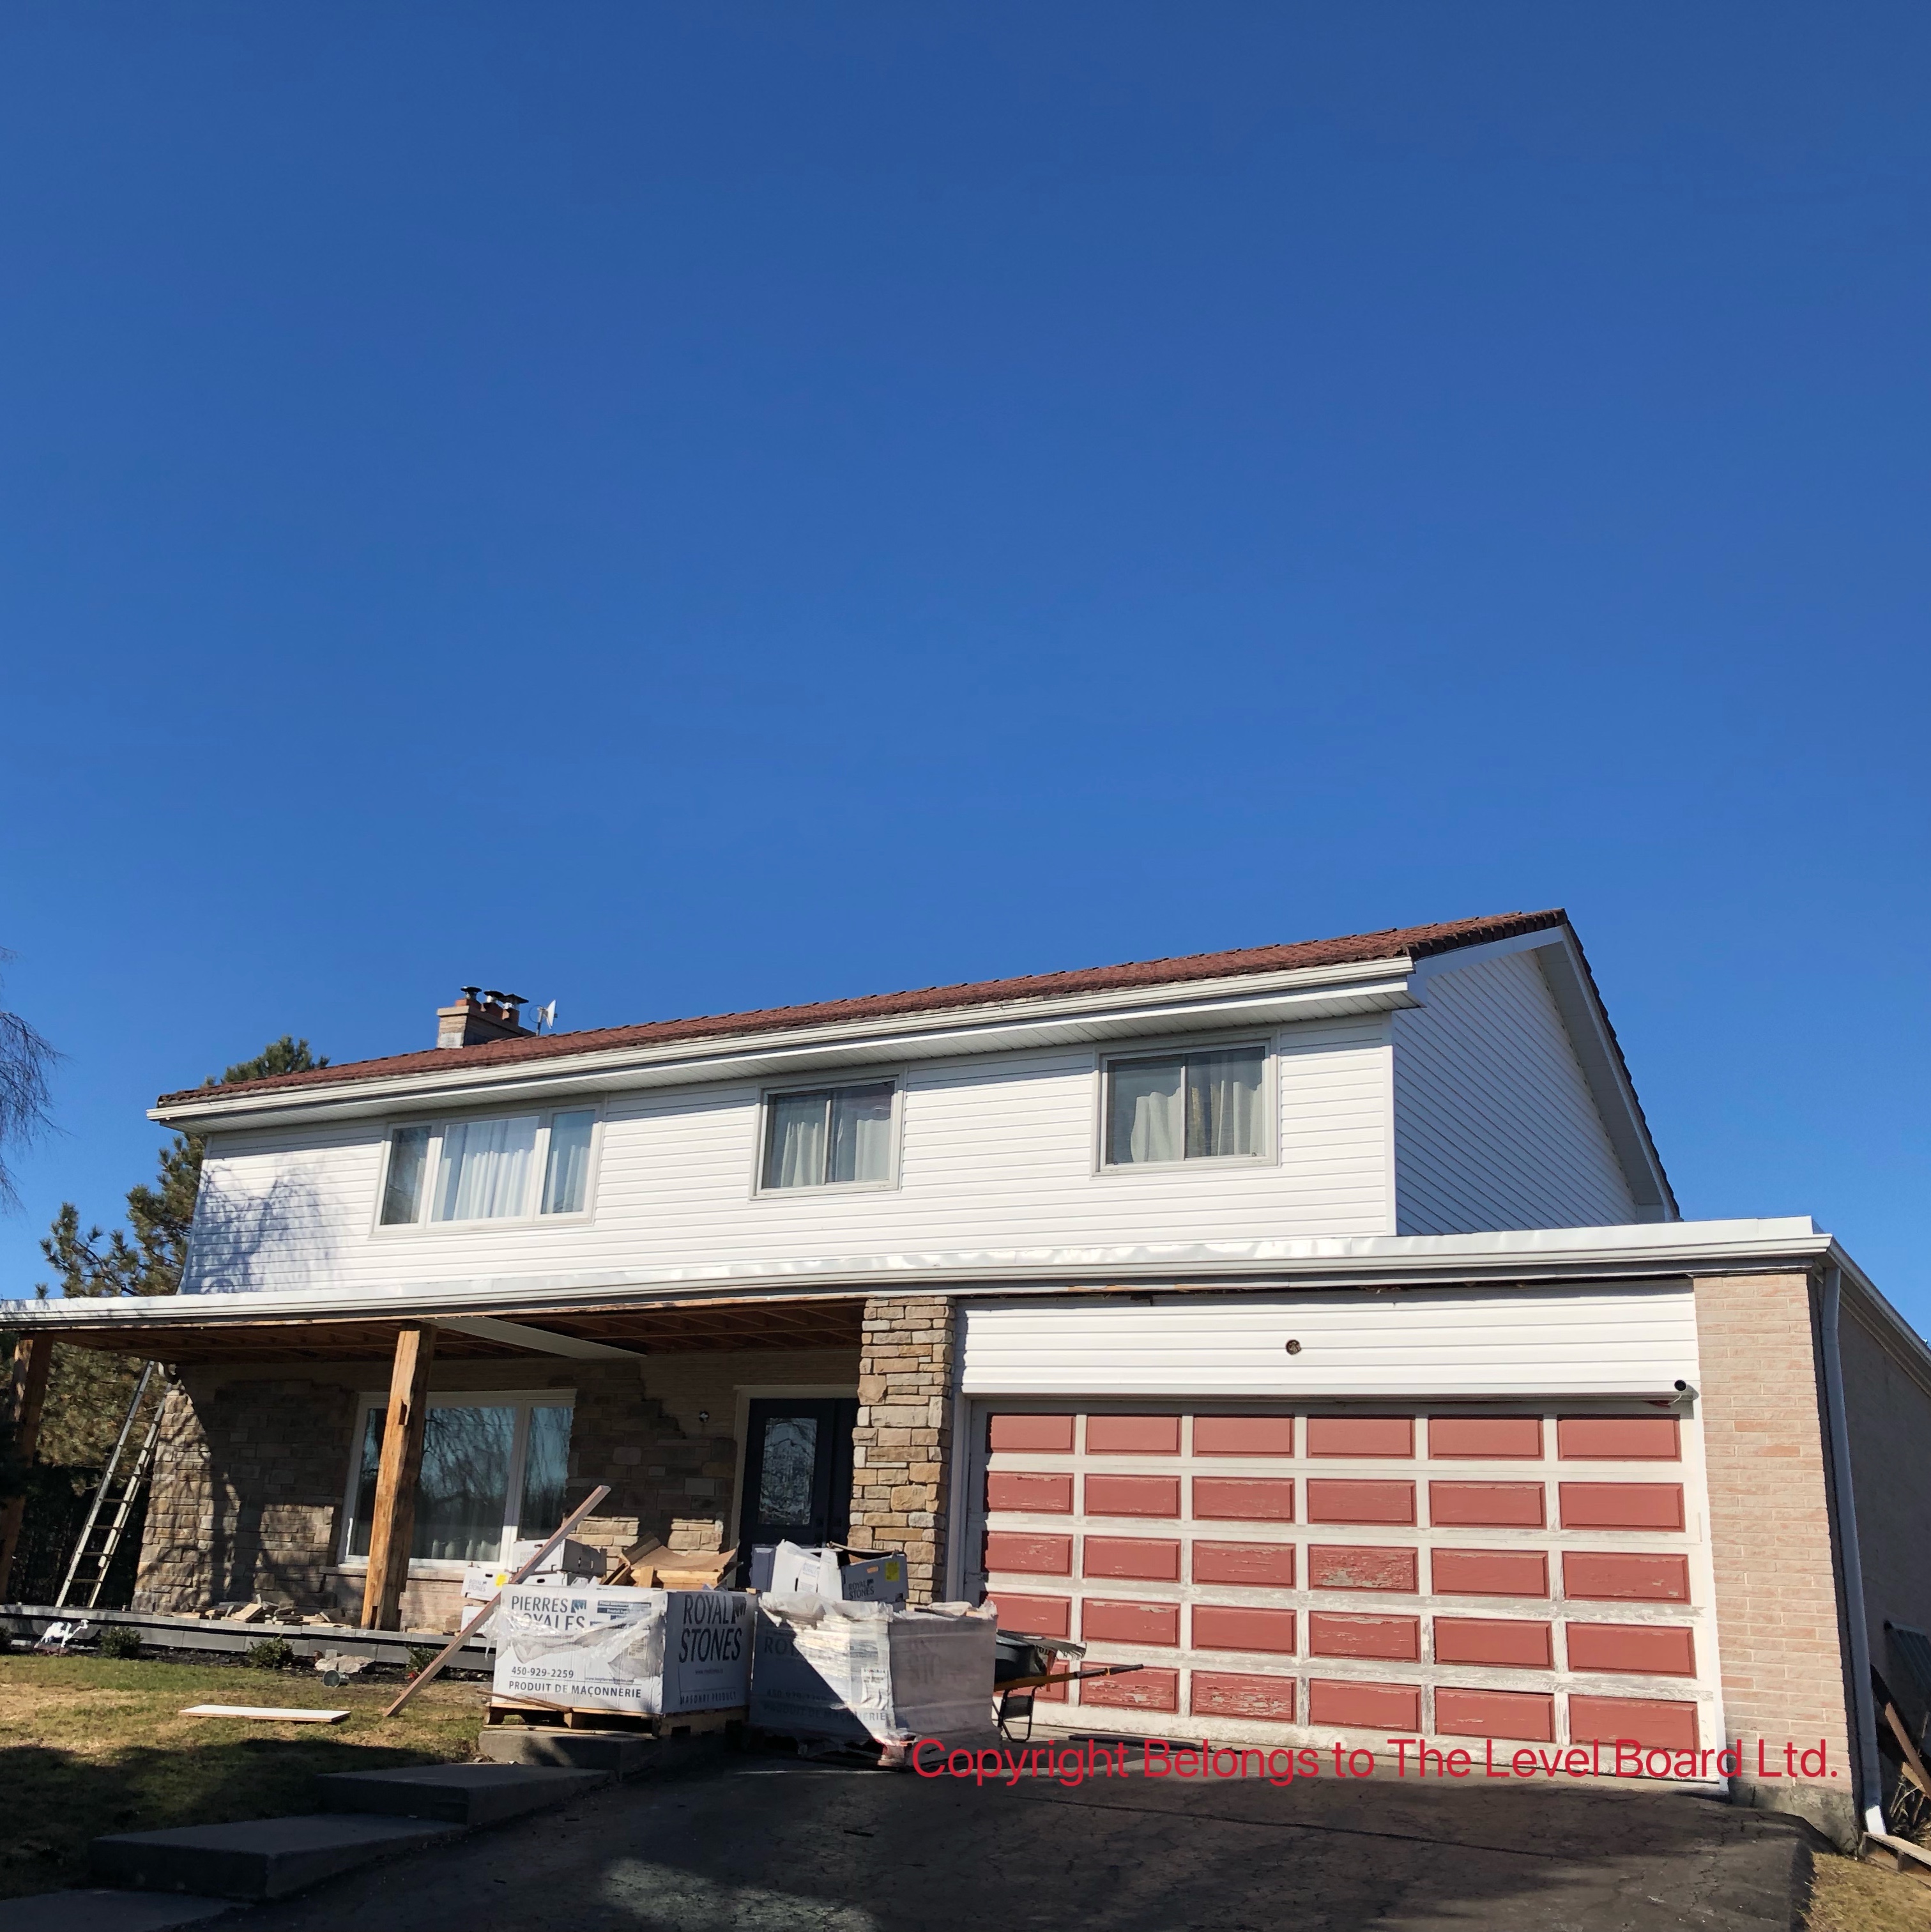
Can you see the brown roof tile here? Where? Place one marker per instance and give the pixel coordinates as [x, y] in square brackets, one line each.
[1415, 942]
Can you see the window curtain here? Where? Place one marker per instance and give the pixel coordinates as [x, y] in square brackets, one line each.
[861, 1134]
[486, 1167]
[799, 1124]
[566, 1180]
[1147, 1122]
[1224, 1103]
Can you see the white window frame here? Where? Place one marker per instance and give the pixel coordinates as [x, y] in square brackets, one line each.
[1170, 1049]
[426, 1223]
[818, 1190]
[522, 1400]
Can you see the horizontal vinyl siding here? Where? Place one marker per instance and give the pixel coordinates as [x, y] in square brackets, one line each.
[1495, 1124]
[997, 1154]
[1421, 1343]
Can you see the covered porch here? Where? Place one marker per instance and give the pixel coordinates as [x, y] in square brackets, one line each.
[354, 1465]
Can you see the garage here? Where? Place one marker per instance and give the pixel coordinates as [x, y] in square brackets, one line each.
[1530, 1571]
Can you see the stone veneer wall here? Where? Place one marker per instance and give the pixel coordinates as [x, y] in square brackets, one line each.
[248, 1480]
[1779, 1627]
[253, 1467]
[902, 1448]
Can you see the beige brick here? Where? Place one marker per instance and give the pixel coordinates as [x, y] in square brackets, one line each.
[1771, 1531]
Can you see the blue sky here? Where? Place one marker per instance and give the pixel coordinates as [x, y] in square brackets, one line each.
[680, 509]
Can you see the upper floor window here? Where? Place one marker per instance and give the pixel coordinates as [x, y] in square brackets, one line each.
[830, 1137]
[1186, 1106]
[504, 1167]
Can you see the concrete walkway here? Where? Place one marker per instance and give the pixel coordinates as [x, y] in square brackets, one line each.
[757, 1844]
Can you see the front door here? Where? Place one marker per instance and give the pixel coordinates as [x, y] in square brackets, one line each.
[797, 1472]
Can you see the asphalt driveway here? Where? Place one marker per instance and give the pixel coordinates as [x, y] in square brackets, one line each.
[756, 1844]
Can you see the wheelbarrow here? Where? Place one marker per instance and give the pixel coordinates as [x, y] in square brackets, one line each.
[1024, 1664]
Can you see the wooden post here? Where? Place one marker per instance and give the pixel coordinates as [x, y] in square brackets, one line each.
[392, 1529]
[33, 1357]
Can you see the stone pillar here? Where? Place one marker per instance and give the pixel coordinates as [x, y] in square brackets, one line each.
[902, 1448]
[1773, 1547]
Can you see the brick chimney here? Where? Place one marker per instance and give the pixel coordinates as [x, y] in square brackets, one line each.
[478, 1016]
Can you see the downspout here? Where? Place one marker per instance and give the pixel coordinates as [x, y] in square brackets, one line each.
[1870, 1776]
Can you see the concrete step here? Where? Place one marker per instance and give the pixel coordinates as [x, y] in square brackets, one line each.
[110, 1912]
[616, 1754]
[266, 1858]
[468, 1795]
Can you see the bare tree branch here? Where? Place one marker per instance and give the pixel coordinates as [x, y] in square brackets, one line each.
[25, 1096]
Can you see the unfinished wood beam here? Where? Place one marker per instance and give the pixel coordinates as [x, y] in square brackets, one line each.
[392, 1527]
[33, 1357]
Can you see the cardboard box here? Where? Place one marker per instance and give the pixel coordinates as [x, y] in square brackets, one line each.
[481, 1585]
[876, 1579]
[650, 1652]
[570, 1562]
[833, 1571]
[796, 1571]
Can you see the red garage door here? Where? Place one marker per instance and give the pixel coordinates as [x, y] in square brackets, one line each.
[1532, 1577]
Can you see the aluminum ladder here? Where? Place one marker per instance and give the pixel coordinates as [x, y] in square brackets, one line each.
[93, 1553]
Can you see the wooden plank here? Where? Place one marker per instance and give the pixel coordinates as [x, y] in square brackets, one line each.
[482, 1616]
[1914, 1764]
[33, 1357]
[266, 1713]
[392, 1529]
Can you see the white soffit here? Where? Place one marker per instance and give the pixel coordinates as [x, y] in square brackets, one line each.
[1510, 1261]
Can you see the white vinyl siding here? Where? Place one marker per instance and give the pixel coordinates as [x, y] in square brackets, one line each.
[1440, 1341]
[1495, 1124]
[996, 1153]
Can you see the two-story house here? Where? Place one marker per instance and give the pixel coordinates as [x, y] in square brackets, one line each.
[1313, 1325]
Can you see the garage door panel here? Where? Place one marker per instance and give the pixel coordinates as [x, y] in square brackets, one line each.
[1532, 1577]
[1232, 1693]
[1260, 1565]
[1362, 1566]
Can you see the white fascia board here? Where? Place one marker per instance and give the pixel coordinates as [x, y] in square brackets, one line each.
[1317, 992]
[1528, 1257]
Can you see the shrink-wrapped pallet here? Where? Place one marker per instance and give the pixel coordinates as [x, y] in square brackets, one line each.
[651, 1652]
[828, 1669]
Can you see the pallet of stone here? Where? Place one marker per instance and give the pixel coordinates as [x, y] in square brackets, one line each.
[621, 1723]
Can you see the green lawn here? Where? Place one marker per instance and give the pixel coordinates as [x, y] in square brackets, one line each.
[89, 1745]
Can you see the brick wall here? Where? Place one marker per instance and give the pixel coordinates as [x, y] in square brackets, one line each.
[1785, 1665]
[902, 1448]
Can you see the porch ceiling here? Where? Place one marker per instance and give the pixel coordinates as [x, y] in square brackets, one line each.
[679, 1328]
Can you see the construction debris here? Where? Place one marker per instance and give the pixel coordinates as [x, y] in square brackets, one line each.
[654, 1565]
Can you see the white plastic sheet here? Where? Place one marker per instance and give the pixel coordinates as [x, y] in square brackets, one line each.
[829, 1668]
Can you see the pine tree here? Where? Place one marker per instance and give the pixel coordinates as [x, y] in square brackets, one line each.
[87, 1389]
